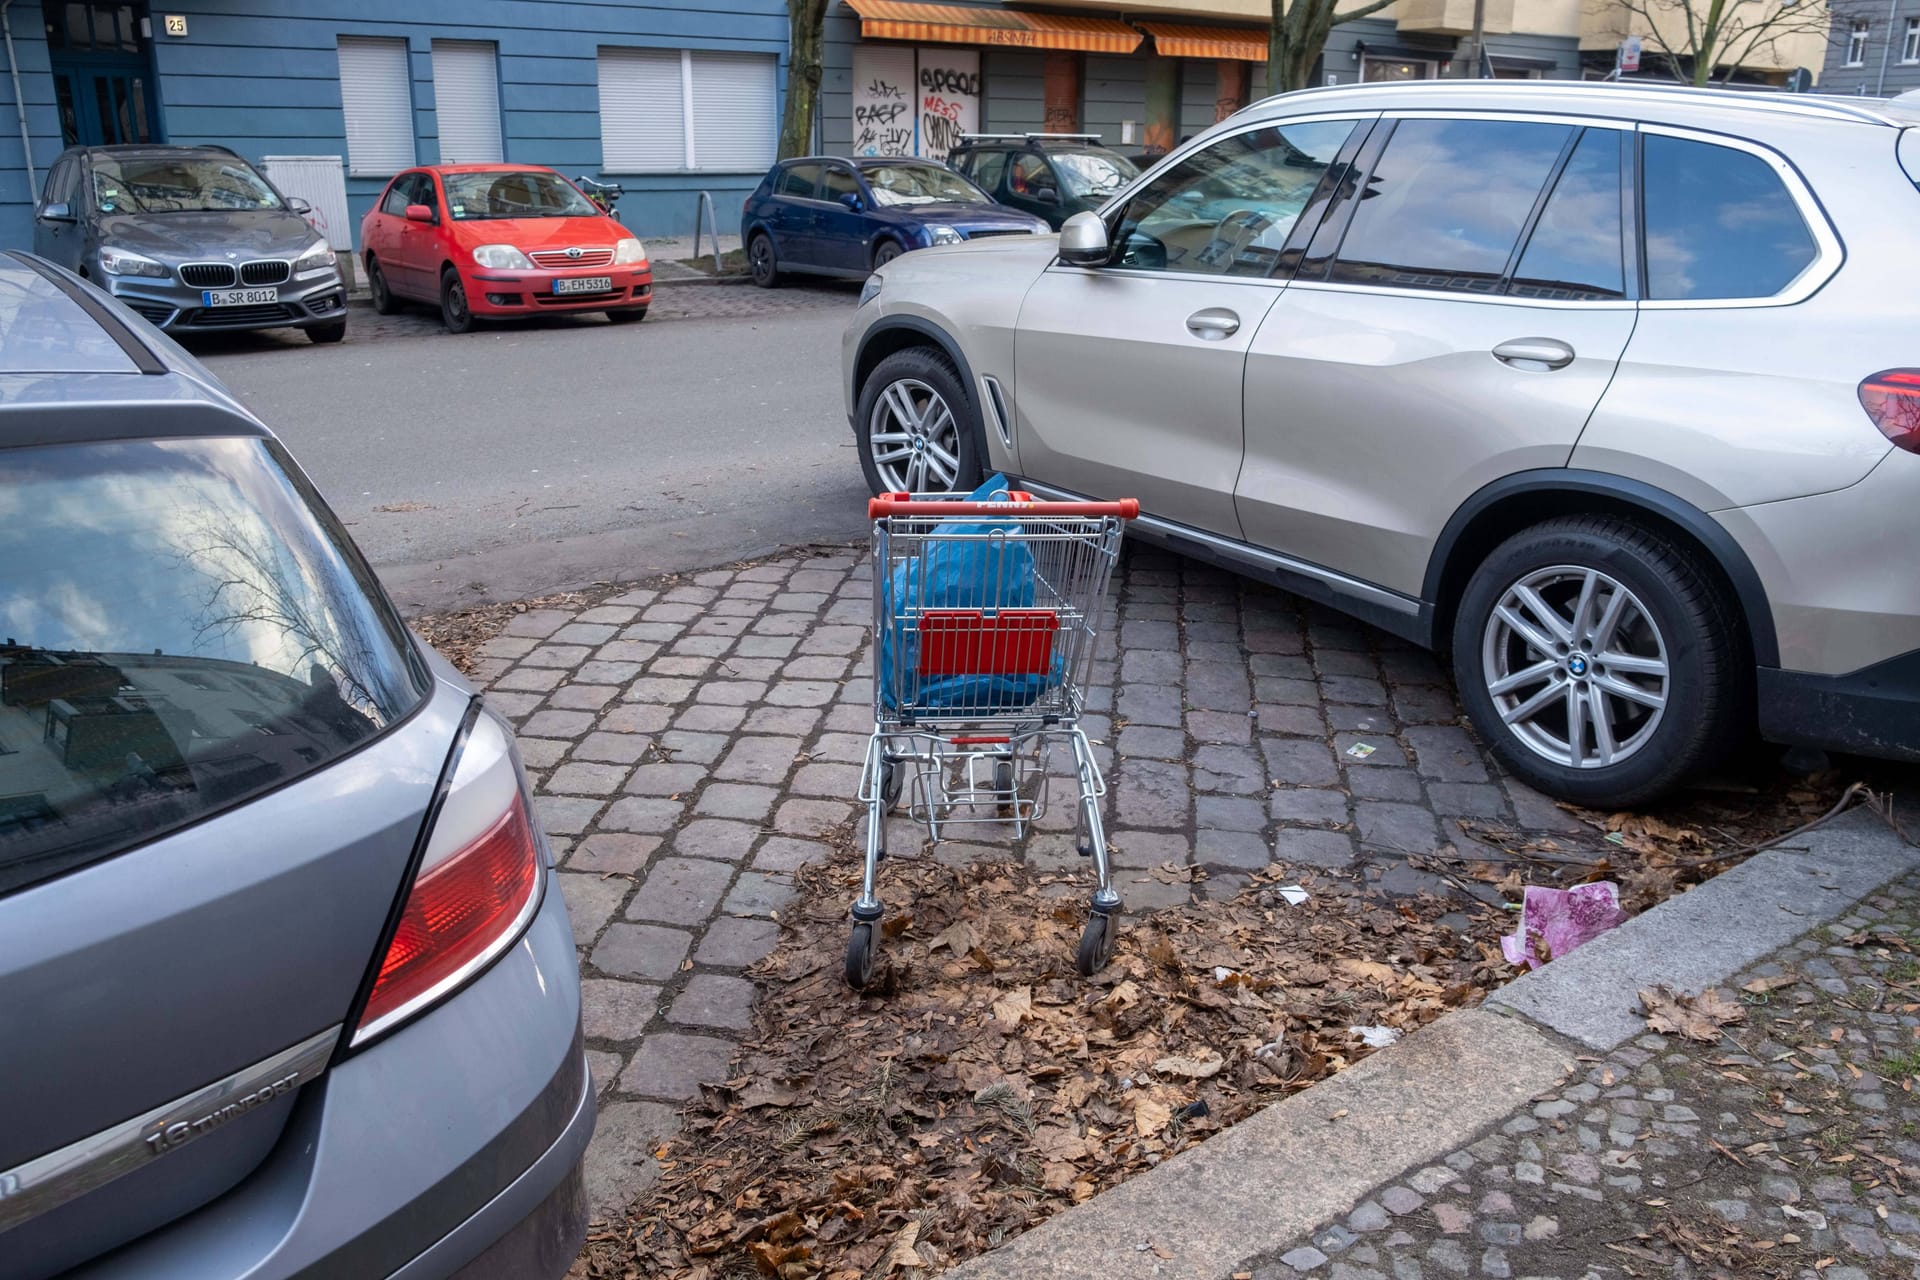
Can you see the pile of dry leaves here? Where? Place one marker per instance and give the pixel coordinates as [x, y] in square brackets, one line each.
[982, 1085]
[1651, 856]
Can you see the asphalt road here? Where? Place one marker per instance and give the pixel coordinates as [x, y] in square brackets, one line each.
[511, 462]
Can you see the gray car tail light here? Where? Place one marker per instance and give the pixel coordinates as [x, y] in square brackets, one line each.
[477, 887]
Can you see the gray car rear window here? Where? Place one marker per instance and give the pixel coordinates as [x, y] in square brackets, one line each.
[42, 330]
[182, 627]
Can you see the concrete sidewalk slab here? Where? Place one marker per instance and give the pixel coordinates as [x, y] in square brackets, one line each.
[1272, 1177]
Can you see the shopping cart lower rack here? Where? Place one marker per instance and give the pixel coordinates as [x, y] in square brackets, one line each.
[985, 618]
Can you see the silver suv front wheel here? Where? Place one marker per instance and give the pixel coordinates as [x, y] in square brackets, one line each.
[919, 432]
[1601, 660]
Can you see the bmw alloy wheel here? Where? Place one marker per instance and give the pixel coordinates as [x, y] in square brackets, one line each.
[914, 438]
[1576, 667]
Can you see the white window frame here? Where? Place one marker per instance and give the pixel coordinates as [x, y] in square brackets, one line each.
[358, 167]
[1857, 43]
[1910, 47]
[688, 128]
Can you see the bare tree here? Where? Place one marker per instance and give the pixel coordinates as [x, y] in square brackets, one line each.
[1299, 35]
[1704, 40]
[805, 41]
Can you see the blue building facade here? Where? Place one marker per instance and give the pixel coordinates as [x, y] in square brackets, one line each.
[667, 97]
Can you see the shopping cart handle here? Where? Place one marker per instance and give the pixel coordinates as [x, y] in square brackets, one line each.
[895, 504]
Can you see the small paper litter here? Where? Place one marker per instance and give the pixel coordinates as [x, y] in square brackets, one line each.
[1376, 1037]
[1361, 750]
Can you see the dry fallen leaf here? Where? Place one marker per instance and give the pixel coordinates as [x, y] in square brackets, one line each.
[1760, 986]
[1200, 1068]
[1150, 1117]
[902, 1254]
[1012, 1007]
[1694, 1017]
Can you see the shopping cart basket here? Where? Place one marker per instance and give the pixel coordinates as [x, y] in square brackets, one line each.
[985, 617]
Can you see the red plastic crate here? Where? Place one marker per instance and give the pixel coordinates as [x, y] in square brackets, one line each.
[971, 642]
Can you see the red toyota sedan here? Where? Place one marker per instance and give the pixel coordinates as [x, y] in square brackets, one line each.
[491, 240]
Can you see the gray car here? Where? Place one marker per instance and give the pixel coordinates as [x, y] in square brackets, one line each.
[287, 986]
[1608, 390]
[194, 239]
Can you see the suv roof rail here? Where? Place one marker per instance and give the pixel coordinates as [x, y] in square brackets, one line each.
[1029, 137]
[1802, 104]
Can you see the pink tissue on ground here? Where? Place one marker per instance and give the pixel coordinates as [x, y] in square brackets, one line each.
[1555, 921]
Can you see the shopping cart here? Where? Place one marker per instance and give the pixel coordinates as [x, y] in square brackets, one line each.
[985, 617]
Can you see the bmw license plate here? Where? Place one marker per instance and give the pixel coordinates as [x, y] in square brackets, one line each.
[583, 284]
[237, 297]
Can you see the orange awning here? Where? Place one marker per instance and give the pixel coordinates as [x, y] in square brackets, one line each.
[960, 24]
[1178, 40]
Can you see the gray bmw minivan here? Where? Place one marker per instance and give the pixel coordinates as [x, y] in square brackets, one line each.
[286, 982]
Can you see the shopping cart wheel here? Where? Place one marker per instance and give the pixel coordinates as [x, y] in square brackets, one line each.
[893, 783]
[860, 956]
[1003, 788]
[1096, 943]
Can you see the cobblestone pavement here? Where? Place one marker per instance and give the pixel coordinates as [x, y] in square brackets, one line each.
[693, 744]
[671, 302]
[1785, 1149]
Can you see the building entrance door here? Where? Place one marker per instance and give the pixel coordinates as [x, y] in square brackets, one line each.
[102, 73]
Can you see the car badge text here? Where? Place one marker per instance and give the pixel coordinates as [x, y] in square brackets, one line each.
[179, 1132]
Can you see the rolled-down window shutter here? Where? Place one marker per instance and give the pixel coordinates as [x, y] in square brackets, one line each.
[642, 111]
[735, 113]
[377, 98]
[466, 96]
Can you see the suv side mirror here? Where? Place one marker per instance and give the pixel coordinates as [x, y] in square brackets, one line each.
[852, 200]
[1046, 195]
[58, 211]
[1083, 241]
[419, 213]
[296, 205]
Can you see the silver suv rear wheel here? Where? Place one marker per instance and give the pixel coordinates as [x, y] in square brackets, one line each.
[1602, 660]
[1576, 667]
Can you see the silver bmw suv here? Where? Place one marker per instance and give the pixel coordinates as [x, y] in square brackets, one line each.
[1604, 389]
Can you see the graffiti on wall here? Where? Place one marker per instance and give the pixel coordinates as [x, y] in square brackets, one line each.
[884, 101]
[949, 99]
[910, 102]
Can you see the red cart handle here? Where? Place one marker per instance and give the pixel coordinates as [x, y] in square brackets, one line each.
[901, 504]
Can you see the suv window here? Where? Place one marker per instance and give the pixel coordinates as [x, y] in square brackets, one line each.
[1720, 222]
[1444, 207]
[987, 168]
[1031, 175]
[1227, 210]
[181, 629]
[1574, 251]
[801, 181]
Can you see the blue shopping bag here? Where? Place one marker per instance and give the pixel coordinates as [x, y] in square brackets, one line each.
[969, 563]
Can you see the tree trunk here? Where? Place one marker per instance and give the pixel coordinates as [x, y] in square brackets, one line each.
[805, 39]
[1298, 36]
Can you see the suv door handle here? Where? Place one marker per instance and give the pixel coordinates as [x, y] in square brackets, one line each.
[1216, 323]
[1550, 352]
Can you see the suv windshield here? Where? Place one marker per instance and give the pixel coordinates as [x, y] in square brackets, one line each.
[180, 629]
[897, 184]
[1093, 175]
[474, 197]
[178, 184]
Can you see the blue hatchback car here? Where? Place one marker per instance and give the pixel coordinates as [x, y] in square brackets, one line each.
[839, 217]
